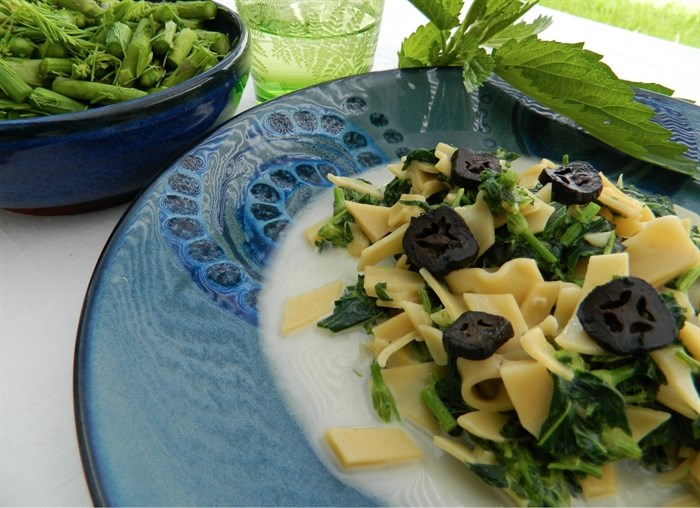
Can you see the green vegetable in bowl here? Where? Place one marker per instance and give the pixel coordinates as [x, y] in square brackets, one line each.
[60, 56]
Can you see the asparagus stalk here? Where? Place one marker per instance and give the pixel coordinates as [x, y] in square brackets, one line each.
[20, 47]
[49, 49]
[163, 13]
[14, 86]
[182, 45]
[74, 17]
[196, 9]
[138, 54]
[88, 7]
[152, 77]
[52, 103]
[118, 38]
[164, 39]
[194, 24]
[17, 114]
[7, 105]
[27, 70]
[95, 93]
[198, 61]
[55, 66]
[217, 41]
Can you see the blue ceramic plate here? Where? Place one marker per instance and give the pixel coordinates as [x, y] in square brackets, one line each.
[177, 401]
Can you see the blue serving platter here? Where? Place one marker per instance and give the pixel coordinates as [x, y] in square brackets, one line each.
[174, 397]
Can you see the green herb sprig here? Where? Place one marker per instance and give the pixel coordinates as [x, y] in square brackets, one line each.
[564, 77]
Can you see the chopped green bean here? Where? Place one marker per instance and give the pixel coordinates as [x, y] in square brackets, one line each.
[74, 17]
[20, 47]
[138, 54]
[10, 105]
[118, 39]
[14, 86]
[217, 41]
[55, 66]
[163, 40]
[52, 103]
[182, 45]
[88, 7]
[196, 9]
[163, 13]
[91, 92]
[151, 77]
[199, 60]
[52, 50]
[28, 70]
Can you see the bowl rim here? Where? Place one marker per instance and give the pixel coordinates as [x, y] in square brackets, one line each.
[147, 101]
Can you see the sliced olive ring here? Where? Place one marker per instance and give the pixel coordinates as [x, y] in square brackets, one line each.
[467, 166]
[627, 316]
[476, 335]
[440, 241]
[576, 183]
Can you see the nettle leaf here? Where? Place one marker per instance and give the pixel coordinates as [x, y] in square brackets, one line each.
[478, 67]
[519, 31]
[652, 87]
[422, 47]
[494, 16]
[476, 11]
[444, 14]
[574, 82]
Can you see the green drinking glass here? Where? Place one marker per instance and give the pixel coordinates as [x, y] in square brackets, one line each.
[300, 43]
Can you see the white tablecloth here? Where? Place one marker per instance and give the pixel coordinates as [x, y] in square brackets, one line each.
[46, 264]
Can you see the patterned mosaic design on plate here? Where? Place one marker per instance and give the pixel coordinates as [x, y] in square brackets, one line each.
[222, 221]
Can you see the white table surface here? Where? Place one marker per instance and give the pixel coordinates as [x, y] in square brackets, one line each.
[46, 264]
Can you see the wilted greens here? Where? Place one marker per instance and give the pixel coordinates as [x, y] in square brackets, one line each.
[622, 356]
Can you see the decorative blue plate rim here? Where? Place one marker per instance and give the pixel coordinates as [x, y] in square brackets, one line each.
[156, 392]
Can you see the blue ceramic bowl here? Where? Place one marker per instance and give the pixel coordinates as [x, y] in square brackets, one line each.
[83, 161]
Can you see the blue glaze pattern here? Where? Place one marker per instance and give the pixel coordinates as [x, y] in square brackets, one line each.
[309, 143]
[175, 403]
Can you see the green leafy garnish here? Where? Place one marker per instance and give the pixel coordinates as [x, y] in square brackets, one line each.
[382, 398]
[564, 77]
[380, 288]
[504, 196]
[353, 308]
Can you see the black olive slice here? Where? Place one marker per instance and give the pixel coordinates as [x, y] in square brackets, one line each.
[627, 316]
[440, 241]
[576, 183]
[476, 335]
[467, 166]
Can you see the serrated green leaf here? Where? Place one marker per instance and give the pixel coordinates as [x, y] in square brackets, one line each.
[652, 87]
[443, 13]
[496, 16]
[422, 47]
[519, 31]
[477, 9]
[477, 68]
[572, 81]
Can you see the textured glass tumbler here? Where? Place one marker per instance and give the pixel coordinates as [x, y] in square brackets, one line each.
[300, 43]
